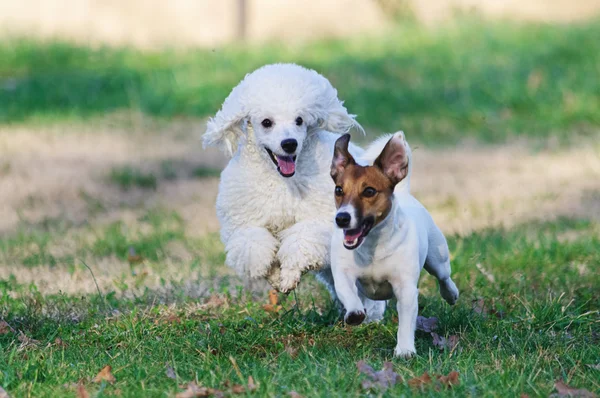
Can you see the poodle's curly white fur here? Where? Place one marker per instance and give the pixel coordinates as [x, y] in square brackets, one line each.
[269, 219]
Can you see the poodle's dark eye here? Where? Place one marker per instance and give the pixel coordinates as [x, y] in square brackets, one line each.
[266, 123]
[369, 192]
[339, 191]
[299, 121]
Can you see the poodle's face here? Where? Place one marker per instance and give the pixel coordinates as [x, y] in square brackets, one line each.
[280, 138]
[282, 103]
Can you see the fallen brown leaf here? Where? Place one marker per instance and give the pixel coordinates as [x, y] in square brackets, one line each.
[442, 343]
[449, 380]
[82, 392]
[426, 325]
[291, 351]
[170, 372]
[524, 395]
[565, 390]
[421, 381]
[3, 393]
[294, 394]
[273, 297]
[215, 301]
[27, 341]
[58, 342]
[480, 307]
[383, 379]
[252, 386]
[5, 328]
[238, 389]
[105, 375]
[194, 391]
[272, 308]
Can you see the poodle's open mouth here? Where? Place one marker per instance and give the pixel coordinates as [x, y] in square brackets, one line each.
[286, 165]
[354, 237]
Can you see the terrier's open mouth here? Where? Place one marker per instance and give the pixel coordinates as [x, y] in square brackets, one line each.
[354, 237]
[286, 165]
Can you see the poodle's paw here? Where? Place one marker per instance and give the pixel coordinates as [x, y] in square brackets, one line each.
[302, 246]
[405, 352]
[449, 291]
[355, 318]
[274, 277]
[289, 279]
[258, 269]
[251, 251]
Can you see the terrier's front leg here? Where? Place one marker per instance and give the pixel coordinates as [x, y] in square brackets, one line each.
[347, 292]
[407, 295]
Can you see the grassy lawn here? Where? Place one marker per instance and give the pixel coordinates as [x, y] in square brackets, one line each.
[489, 81]
[124, 267]
[539, 323]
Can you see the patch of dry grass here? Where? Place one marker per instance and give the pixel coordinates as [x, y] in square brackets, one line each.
[57, 182]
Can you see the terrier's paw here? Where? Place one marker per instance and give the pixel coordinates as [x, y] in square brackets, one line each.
[355, 318]
[289, 279]
[405, 352]
[449, 291]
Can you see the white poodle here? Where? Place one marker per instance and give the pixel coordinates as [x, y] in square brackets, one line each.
[275, 201]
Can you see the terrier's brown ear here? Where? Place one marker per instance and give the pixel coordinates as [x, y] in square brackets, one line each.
[341, 156]
[393, 160]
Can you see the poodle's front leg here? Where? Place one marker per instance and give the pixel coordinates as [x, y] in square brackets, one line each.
[251, 251]
[304, 246]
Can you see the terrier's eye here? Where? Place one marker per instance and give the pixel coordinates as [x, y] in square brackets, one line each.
[299, 121]
[339, 191]
[266, 123]
[369, 192]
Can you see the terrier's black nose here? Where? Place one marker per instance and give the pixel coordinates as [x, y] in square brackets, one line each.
[289, 145]
[343, 220]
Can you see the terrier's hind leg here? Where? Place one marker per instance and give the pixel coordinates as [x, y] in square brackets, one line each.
[437, 264]
[375, 308]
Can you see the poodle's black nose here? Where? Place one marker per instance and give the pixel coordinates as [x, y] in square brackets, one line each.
[289, 145]
[343, 220]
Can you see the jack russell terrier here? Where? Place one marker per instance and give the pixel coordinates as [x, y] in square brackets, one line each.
[384, 237]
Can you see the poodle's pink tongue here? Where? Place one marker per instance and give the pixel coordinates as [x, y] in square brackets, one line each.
[286, 164]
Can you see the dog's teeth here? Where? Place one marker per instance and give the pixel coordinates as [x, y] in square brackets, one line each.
[355, 241]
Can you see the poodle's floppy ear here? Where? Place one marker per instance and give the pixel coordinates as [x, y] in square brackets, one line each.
[341, 156]
[226, 129]
[337, 119]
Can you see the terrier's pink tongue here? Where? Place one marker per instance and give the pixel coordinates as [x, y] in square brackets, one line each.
[286, 164]
[350, 236]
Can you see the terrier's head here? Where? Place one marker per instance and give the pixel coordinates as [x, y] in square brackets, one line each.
[364, 194]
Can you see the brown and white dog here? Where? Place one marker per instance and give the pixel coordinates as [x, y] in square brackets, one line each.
[384, 236]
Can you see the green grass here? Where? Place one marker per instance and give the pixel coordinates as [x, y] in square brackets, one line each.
[545, 286]
[206, 172]
[127, 177]
[472, 79]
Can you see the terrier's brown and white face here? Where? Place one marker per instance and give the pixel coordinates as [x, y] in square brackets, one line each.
[364, 194]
